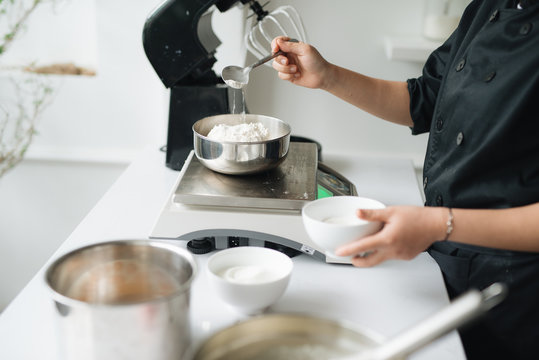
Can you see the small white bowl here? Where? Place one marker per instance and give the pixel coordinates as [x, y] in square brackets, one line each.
[332, 222]
[249, 279]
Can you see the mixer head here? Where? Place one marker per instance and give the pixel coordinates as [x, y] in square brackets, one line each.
[285, 20]
[180, 43]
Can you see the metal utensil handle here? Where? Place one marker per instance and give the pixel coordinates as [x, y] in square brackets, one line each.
[271, 56]
[461, 311]
[266, 59]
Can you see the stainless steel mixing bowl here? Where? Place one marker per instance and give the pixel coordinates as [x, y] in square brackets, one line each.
[241, 158]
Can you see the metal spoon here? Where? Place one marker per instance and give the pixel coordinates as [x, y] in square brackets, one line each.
[237, 77]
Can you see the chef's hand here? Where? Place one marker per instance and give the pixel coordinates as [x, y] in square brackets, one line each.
[303, 65]
[407, 231]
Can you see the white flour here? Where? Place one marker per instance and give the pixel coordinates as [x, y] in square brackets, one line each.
[240, 133]
[248, 274]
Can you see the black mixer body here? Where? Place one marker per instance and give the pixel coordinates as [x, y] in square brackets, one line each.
[180, 44]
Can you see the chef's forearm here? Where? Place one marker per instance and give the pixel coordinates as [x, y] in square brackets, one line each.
[385, 99]
[514, 229]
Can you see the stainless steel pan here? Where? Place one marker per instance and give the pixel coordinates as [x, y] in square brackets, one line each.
[287, 336]
[241, 158]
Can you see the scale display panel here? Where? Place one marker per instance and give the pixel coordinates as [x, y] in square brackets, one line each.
[331, 183]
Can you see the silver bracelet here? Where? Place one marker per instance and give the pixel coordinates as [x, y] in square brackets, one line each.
[449, 224]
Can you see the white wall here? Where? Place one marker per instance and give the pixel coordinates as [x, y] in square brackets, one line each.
[56, 31]
[121, 109]
[97, 125]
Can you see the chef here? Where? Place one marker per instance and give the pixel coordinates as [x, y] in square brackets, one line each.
[478, 97]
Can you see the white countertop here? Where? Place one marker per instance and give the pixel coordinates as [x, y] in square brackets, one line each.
[387, 299]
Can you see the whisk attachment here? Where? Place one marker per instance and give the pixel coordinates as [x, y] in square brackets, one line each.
[283, 21]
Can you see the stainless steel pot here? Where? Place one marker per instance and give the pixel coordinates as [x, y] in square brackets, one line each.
[287, 336]
[241, 158]
[125, 299]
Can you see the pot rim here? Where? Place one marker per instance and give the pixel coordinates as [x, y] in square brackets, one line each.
[68, 301]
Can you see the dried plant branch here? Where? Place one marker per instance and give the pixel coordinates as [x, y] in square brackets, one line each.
[18, 125]
[15, 28]
[18, 120]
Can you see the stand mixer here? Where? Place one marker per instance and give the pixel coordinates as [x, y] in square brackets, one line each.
[180, 44]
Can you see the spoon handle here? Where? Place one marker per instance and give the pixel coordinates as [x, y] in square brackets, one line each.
[266, 59]
[269, 57]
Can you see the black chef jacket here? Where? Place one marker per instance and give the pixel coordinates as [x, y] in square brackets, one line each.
[478, 97]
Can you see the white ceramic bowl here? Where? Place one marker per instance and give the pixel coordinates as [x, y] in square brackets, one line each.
[332, 222]
[249, 278]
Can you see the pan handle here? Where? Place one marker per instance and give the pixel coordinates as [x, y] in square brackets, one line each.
[461, 311]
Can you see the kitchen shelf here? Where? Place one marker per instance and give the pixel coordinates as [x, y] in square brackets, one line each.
[409, 48]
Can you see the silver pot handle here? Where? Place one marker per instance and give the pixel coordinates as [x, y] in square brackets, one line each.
[461, 311]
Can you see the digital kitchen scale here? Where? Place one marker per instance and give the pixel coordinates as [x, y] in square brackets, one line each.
[217, 211]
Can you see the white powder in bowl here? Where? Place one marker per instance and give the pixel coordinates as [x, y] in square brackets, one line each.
[249, 274]
[250, 132]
